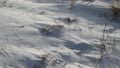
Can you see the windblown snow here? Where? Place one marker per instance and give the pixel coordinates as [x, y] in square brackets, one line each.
[52, 34]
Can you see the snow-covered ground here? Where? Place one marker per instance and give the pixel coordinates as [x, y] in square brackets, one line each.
[50, 34]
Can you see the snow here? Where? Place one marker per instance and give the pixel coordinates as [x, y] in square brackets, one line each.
[40, 33]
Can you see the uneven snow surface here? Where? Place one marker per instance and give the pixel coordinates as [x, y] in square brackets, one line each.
[39, 34]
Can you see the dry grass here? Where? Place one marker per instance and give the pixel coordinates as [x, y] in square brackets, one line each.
[107, 44]
[115, 8]
[108, 41]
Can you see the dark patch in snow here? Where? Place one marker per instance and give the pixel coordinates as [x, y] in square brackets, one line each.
[67, 20]
[50, 30]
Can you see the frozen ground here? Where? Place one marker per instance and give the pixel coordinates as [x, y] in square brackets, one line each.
[37, 33]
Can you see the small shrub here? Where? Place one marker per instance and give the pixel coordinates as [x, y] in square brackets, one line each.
[107, 43]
